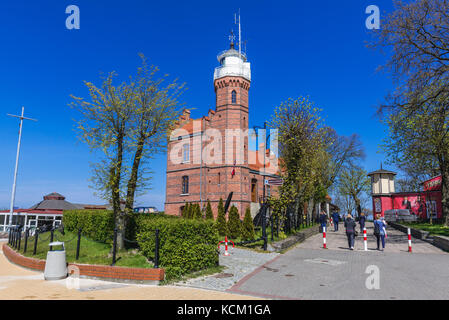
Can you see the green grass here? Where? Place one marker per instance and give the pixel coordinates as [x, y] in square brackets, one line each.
[91, 252]
[258, 244]
[433, 229]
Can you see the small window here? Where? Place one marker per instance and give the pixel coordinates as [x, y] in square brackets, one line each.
[185, 185]
[186, 153]
[234, 96]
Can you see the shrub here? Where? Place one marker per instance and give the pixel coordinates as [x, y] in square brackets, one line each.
[184, 210]
[209, 213]
[234, 223]
[97, 225]
[197, 212]
[221, 220]
[248, 226]
[185, 245]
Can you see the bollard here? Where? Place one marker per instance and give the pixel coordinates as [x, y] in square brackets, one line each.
[156, 250]
[324, 237]
[16, 239]
[409, 240]
[36, 236]
[264, 230]
[365, 243]
[226, 246]
[114, 247]
[78, 244]
[26, 240]
[51, 238]
[19, 235]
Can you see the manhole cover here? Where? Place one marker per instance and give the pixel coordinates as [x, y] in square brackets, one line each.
[289, 275]
[325, 261]
[224, 275]
[271, 269]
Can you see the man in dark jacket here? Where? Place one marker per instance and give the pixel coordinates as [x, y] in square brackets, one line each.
[362, 219]
[336, 219]
[350, 230]
[323, 219]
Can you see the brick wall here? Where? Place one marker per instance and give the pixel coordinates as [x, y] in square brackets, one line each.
[94, 271]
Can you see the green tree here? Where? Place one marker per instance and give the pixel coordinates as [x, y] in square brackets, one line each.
[248, 226]
[417, 111]
[234, 223]
[197, 212]
[354, 183]
[185, 211]
[209, 213]
[221, 220]
[301, 134]
[128, 123]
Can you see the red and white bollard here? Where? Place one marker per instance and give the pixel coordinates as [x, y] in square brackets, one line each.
[324, 238]
[332, 222]
[409, 240]
[226, 246]
[365, 242]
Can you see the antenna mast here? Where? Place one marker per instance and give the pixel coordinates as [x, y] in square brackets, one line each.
[240, 33]
[240, 38]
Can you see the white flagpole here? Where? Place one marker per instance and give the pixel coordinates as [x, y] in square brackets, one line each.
[13, 193]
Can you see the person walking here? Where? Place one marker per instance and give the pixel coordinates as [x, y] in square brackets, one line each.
[380, 231]
[362, 219]
[350, 230]
[335, 217]
[323, 219]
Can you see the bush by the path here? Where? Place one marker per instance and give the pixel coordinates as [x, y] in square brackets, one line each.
[222, 226]
[209, 213]
[248, 226]
[234, 223]
[97, 225]
[186, 245]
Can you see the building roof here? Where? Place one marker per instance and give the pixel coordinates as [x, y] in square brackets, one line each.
[382, 171]
[54, 205]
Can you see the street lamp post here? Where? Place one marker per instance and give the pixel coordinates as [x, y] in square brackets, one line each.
[264, 153]
[13, 193]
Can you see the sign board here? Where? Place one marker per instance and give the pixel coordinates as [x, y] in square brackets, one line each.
[274, 182]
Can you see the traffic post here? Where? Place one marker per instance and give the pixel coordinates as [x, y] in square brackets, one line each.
[365, 243]
[409, 240]
[324, 237]
[226, 246]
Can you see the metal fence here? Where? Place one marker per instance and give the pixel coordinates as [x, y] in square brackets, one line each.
[17, 233]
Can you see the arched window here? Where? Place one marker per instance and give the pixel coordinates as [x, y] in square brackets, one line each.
[185, 185]
[186, 153]
[234, 96]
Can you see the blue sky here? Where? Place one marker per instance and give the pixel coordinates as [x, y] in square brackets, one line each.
[314, 48]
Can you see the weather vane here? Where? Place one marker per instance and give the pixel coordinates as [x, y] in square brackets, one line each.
[232, 36]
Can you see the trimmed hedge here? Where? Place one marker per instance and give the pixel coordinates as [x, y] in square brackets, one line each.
[97, 225]
[185, 245]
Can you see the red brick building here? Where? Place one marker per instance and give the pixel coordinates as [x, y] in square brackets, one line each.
[208, 158]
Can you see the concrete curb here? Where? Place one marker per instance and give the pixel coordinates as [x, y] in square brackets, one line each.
[98, 272]
[300, 236]
[437, 241]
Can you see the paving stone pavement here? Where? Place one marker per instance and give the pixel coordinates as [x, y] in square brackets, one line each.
[239, 264]
[307, 271]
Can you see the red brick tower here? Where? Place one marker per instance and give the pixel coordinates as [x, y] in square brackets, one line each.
[232, 82]
[199, 181]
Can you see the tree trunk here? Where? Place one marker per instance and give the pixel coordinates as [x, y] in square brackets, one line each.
[445, 195]
[119, 218]
[132, 183]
